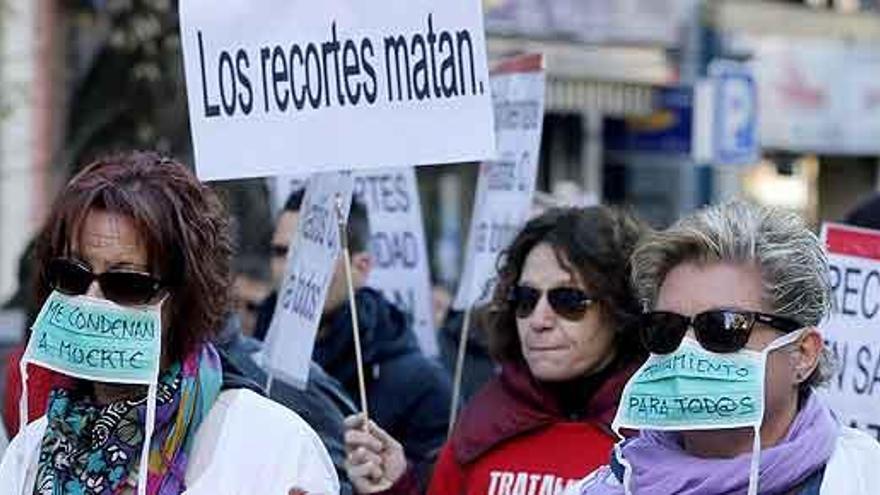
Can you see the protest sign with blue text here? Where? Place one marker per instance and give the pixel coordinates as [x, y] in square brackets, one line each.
[311, 262]
[281, 87]
[505, 186]
[852, 333]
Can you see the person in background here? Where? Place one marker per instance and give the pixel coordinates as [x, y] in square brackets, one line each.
[742, 287]
[42, 380]
[562, 326]
[324, 403]
[10, 351]
[408, 394]
[135, 229]
[479, 367]
[248, 293]
[866, 214]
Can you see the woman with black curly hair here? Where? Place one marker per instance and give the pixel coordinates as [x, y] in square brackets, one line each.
[561, 328]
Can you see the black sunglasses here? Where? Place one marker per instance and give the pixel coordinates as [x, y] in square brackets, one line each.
[718, 330]
[567, 302]
[125, 287]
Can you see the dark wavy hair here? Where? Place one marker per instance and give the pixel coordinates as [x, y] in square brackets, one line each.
[185, 227]
[593, 245]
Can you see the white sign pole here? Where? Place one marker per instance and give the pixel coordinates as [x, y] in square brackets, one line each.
[504, 189]
[459, 369]
[355, 327]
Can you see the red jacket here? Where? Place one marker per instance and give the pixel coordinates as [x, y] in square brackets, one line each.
[41, 381]
[514, 437]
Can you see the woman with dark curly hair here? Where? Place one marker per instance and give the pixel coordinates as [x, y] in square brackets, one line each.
[561, 327]
[138, 232]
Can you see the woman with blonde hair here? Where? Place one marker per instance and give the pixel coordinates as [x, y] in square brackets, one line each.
[726, 402]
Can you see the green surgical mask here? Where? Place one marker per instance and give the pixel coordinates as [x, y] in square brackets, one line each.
[100, 341]
[97, 340]
[695, 389]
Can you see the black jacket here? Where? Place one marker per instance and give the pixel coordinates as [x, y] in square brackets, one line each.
[479, 367]
[408, 394]
[323, 404]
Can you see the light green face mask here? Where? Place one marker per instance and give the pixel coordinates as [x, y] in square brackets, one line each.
[97, 340]
[695, 389]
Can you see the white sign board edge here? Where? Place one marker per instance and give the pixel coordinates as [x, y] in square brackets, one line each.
[419, 67]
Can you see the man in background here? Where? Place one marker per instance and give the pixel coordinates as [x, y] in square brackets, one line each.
[408, 394]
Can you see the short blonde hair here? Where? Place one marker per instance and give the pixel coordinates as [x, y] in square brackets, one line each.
[793, 265]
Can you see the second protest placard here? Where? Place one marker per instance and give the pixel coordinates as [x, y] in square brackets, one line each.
[311, 263]
[506, 185]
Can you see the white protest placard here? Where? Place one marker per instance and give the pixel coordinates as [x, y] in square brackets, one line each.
[281, 87]
[401, 268]
[311, 263]
[852, 333]
[398, 248]
[506, 185]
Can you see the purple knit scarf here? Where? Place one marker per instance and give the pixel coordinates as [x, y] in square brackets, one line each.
[658, 464]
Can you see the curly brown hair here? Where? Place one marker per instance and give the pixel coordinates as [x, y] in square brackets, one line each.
[594, 245]
[185, 227]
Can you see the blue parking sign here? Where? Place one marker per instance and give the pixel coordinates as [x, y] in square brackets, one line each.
[735, 113]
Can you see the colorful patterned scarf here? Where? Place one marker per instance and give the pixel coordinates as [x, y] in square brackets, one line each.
[94, 450]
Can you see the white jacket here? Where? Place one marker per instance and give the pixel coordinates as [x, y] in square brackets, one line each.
[851, 470]
[853, 467]
[247, 445]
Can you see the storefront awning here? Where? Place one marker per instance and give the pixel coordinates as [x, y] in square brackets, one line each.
[609, 98]
[791, 20]
[613, 80]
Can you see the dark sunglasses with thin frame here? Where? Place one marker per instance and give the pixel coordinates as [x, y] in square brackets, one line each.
[722, 330]
[126, 287]
[568, 302]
